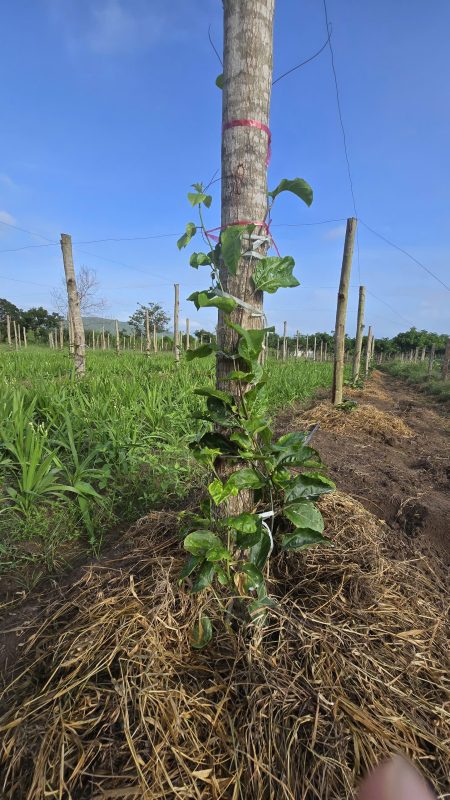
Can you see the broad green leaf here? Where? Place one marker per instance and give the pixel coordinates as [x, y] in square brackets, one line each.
[226, 397]
[204, 577]
[297, 186]
[219, 81]
[199, 260]
[191, 230]
[197, 198]
[198, 187]
[274, 273]
[211, 300]
[246, 540]
[254, 577]
[259, 552]
[304, 514]
[201, 633]
[201, 352]
[230, 240]
[199, 542]
[246, 478]
[189, 566]
[222, 576]
[303, 538]
[308, 485]
[207, 455]
[250, 342]
[218, 491]
[218, 554]
[245, 522]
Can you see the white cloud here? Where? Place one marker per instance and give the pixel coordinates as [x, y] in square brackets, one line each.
[335, 233]
[7, 218]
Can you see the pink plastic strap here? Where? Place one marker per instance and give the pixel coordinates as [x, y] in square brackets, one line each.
[251, 123]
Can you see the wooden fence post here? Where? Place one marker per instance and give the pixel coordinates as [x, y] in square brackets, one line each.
[147, 333]
[341, 313]
[321, 351]
[24, 334]
[117, 338]
[16, 343]
[8, 329]
[176, 313]
[74, 306]
[155, 338]
[359, 333]
[284, 341]
[307, 346]
[424, 352]
[325, 351]
[431, 359]
[61, 335]
[446, 360]
[368, 350]
[188, 334]
[315, 348]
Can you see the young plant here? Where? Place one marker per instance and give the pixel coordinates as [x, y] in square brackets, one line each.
[285, 475]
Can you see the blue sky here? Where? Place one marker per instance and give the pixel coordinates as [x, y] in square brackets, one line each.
[109, 112]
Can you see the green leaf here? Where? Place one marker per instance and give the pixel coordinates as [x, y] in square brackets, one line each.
[218, 491]
[258, 609]
[247, 523]
[254, 577]
[214, 439]
[297, 186]
[246, 478]
[230, 240]
[218, 554]
[308, 485]
[191, 230]
[246, 540]
[259, 552]
[199, 260]
[204, 577]
[199, 542]
[219, 81]
[201, 633]
[197, 198]
[226, 397]
[201, 352]
[250, 342]
[198, 187]
[303, 538]
[211, 300]
[304, 514]
[222, 576]
[274, 273]
[189, 566]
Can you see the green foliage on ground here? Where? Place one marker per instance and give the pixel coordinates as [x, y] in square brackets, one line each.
[80, 457]
[417, 374]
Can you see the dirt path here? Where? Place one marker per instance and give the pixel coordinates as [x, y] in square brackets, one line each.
[404, 481]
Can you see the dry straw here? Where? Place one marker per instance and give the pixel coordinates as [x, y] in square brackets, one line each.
[367, 419]
[115, 704]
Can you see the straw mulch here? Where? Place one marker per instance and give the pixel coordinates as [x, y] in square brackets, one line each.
[368, 419]
[353, 666]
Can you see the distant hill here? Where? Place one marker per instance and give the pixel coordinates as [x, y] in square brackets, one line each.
[97, 323]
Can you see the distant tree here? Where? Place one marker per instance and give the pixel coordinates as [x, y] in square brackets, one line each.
[40, 321]
[156, 315]
[205, 336]
[87, 286]
[8, 308]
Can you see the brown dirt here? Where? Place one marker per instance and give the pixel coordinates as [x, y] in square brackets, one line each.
[401, 478]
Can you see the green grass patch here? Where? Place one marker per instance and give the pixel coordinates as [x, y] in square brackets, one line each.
[417, 375]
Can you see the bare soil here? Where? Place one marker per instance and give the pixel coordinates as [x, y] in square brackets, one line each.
[403, 481]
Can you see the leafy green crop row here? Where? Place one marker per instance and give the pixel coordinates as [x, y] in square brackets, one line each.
[77, 457]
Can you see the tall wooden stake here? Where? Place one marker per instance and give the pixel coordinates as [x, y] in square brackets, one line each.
[176, 314]
[446, 360]
[359, 332]
[117, 338]
[341, 313]
[8, 330]
[155, 338]
[368, 350]
[147, 333]
[284, 341]
[307, 346]
[315, 348]
[74, 306]
[188, 334]
[431, 359]
[24, 334]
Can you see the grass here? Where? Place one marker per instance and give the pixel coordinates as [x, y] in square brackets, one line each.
[78, 458]
[417, 375]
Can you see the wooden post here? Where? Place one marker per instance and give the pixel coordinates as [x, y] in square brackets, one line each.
[431, 359]
[18, 334]
[315, 348]
[325, 351]
[372, 349]
[147, 333]
[368, 350]
[296, 345]
[24, 334]
[359, 333]
[93, 340]
[341, 313]
[8, 329]
[16, 343]
[416, 354]
[74, 306]
[176, 313]
[188, 334]
[307, 346]
[117, 338]
[446, 360]
[142, 341]
[103, 338]
[284, 341]
[424, 352]
[155, 338]
[61, 335]
[278, 348]
[321, 351]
